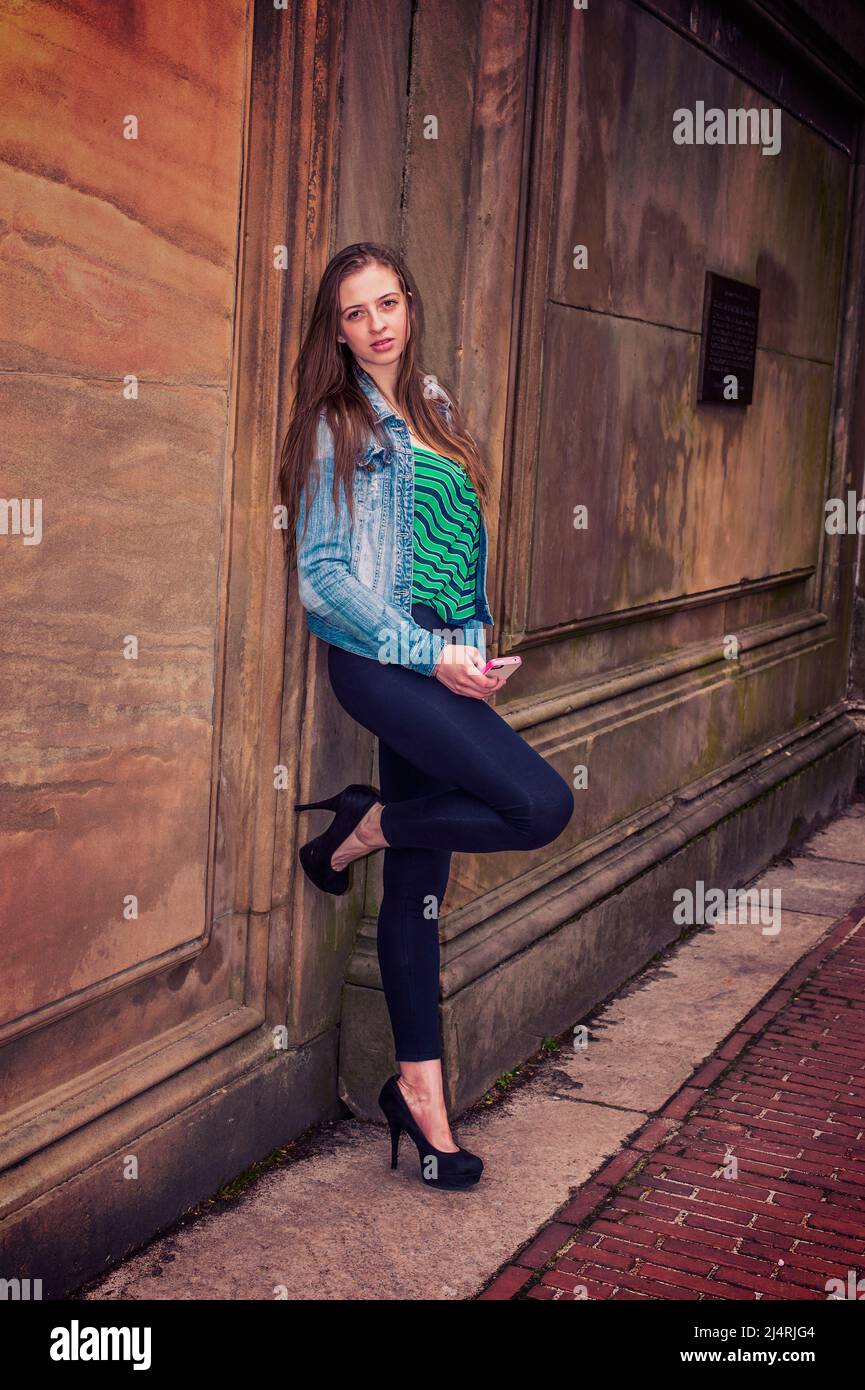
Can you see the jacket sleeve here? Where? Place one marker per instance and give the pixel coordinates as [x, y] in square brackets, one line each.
[327, 587]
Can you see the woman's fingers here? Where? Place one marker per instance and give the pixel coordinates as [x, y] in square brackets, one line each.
[482, 689]
[461, 669]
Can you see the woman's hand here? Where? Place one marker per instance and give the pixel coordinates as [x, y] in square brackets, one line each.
[460, 668]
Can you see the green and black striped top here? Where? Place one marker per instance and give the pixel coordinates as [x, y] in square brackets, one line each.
[447, 531]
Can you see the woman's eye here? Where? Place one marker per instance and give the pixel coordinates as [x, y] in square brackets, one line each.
[386, 303]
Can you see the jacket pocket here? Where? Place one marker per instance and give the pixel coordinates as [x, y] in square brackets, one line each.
[366, 549]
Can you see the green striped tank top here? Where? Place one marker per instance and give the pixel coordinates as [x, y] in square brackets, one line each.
[446, 536]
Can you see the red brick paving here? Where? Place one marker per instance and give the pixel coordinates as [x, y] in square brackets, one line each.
[786, 1093]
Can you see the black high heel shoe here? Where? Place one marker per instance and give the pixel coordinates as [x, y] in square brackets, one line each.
[437, 1167]
[350, 805]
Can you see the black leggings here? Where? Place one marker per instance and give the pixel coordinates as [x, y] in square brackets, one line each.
[453, 775]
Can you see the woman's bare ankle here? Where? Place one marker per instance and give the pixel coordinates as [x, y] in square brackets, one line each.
[369, 831]
[430, 1111]
[419, 1093]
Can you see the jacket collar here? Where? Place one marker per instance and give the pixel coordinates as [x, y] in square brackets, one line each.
[381, 409]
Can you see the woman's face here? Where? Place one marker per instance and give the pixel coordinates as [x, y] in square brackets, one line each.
[373, 308]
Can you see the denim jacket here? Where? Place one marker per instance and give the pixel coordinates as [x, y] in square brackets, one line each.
[355, 581]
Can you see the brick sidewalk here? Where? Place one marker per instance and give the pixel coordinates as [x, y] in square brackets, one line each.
[785, 1096]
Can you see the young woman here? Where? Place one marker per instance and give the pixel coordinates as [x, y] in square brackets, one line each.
[385, 494]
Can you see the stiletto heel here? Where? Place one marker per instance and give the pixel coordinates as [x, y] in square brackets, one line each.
[330, 803]
[350, 805]
[458, 1170]
[395, 1132]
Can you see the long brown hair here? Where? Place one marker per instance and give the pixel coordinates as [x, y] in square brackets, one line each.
[325, 380]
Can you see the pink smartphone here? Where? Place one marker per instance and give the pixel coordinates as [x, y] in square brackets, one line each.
[503, 666]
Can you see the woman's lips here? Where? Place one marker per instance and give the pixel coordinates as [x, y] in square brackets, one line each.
[383, 345]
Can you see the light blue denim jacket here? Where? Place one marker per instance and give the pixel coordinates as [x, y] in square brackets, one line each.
[355, 581]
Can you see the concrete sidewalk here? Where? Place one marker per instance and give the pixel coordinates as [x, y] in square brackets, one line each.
[750, 1184]
[339, 1224]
